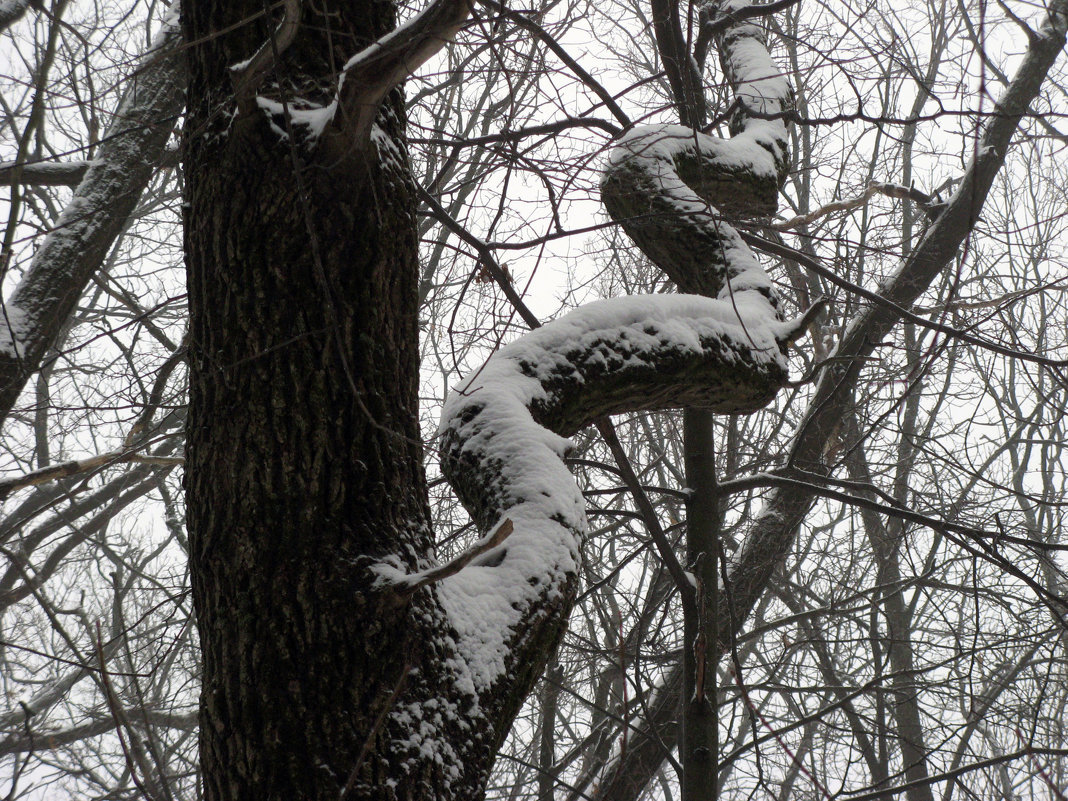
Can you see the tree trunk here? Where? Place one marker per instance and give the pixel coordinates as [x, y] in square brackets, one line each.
[303, 452]
[329, 670]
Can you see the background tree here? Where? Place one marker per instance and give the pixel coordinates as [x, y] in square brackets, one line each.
[808, 710]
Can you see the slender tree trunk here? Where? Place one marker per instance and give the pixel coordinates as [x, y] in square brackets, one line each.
[700, 722]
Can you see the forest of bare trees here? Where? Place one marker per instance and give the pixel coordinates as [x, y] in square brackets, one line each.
[240, 265]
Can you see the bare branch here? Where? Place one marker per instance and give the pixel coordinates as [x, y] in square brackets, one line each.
[373, 72]
[43, 173]
[409, 584]
[249, 76]
[560, 52]
[926, 202]
[41, 304]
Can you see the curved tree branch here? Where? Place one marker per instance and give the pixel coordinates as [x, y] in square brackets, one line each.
[372, 73]
[670, 187]
[502, 427]
[772, 533]
[504, 454]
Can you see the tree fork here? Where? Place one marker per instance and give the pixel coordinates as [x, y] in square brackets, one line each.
[303, 358]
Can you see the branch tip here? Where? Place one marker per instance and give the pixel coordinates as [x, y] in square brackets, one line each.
[407, 585]
[794, 329]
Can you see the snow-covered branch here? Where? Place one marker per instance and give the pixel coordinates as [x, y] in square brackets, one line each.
[77, 467]
[248, 76]
[37, 310]
[11, 11]
[672, 188]
[376, 70]
[503, 442]
[503, 427]
[366, 78]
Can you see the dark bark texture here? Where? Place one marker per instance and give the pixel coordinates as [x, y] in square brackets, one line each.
[304, 476]
[303, 448]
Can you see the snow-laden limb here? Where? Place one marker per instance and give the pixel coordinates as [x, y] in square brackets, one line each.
[771, 535]
[366, 79]
[43, 173]
[503, 428]
[372, 73]
[503, 441]
[670, 187]
[11, 11]
[128, 156]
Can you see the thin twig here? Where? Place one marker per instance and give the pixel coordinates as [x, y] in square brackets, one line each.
[687, 590]
[379, 722]
[116, 712]
[408, 585]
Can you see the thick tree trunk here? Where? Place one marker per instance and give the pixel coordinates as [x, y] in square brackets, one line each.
[303, 452]
[330, 671]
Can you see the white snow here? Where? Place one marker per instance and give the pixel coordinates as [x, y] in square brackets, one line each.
[485, 603]
[655, 149]
[489, 412]
[400, 34]
[664, 144]
[310, 116]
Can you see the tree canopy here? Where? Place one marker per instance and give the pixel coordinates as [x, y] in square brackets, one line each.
[240, 261]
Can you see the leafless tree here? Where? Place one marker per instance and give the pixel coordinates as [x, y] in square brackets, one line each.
[877, 553]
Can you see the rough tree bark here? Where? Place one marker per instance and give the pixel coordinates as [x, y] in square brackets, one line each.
[303, 452]
[335, 663]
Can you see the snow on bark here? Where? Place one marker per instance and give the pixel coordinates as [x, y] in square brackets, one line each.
[367, 77]
[12, 330]
[503, 428]
[43, 173]
[503, 450]
[11, 11]
[127, 157]
[671, 187]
